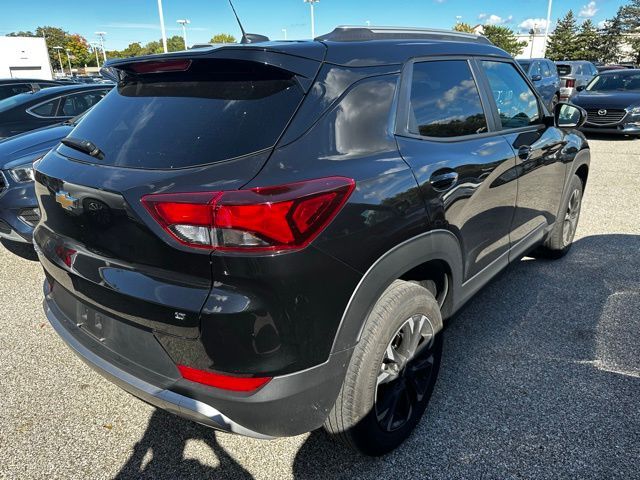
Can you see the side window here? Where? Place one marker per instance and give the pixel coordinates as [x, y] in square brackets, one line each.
[80, 102]
[7, 91]
[47, 109]
[445, 101]
[579, 70]
[546, 71]
[535, 70]
[516, 102]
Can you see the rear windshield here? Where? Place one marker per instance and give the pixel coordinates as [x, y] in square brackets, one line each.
[564, 69]
[217, 110]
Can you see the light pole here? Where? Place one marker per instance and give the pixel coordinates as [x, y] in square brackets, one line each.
[69, 60]
[104, 54]
[532, 32]
[95, 46]
[284, 30]
[368, 23]
[546, 33]
[164, 33]
[313, 21]
[184, 24]
[60, 59]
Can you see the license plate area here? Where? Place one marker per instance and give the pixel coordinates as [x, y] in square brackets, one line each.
[96, 324]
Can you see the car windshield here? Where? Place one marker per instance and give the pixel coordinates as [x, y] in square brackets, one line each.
[615, 82]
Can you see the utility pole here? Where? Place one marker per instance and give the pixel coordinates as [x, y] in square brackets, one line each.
[60, 59]
[101, 36]
[162, 30]
[184, 24]
[69, 60]
[313, 20]
[284, 30]
[546, 33]
[95, 46]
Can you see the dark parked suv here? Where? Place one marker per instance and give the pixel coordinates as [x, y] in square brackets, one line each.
[266, 238]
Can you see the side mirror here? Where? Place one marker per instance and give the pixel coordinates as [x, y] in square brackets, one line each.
[569, 116]
[536, 78]
[581, 88]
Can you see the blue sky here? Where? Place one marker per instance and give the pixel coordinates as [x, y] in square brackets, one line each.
[137, 20]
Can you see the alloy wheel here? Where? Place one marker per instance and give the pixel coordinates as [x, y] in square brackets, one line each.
[571, 218]
[405, 373]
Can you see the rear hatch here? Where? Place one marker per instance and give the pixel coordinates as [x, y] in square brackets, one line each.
[565, 72]
[190, 122]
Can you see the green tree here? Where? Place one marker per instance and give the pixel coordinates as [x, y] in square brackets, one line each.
[175, 43]
[223, 38]
[504, 38]
[463, 27]
[563, 42]
[630, 19]
[588, 42]
[611, 39]
[78, 50]
[133, 50]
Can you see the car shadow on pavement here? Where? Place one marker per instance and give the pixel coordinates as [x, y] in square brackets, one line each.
[160, 452]
[540, 379]
[23, 250]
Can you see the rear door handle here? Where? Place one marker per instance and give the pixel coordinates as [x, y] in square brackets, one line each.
[442, 180]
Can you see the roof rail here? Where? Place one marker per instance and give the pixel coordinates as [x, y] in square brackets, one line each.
[353, 33]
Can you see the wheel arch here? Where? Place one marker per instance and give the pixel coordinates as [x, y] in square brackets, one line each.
[436, 247]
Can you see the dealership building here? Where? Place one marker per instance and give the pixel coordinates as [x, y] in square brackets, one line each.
[24, 57]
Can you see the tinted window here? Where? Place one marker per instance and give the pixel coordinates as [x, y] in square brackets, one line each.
[564, 69]
[217, 110]
[47, 109]
[7, 91]
[516, 102]
[445, 101]
[74, 105]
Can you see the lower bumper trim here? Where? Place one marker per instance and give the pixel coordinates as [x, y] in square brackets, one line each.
[162, 398]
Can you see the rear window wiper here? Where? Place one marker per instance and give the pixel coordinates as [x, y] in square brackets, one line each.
[83, 146]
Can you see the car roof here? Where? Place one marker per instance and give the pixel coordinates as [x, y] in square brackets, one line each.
[7, 81]
[621, 71]
[351, 49]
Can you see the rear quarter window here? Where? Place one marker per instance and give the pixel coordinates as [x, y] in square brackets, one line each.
[217, 110]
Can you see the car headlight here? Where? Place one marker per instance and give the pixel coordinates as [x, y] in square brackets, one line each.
[634, 111]
[24, 173]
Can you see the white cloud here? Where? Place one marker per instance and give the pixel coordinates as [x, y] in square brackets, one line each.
[603, 24]
[494, 19]
[588, 10]
[537, 23]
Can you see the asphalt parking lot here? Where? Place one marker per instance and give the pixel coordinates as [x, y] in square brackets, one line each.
[540, 378]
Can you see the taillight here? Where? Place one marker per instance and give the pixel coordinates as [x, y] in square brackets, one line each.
[225, 382]
[161, 66]
[269, 219]
[570, 83]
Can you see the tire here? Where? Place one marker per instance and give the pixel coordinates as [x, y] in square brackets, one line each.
[363, 417]
[560, 239]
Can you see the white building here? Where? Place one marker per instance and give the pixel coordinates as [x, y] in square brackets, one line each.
[24, 57]
[535, 45]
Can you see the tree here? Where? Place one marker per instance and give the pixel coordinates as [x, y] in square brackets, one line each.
[589, 42]
[223, 38]
[175, 43]
[630, 20]
[463, 27]
[78, 50]
[611, 39]
[505, 39]
[563, 42]
[133, 50]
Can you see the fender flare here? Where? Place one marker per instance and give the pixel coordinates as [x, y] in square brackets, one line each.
[440, 245]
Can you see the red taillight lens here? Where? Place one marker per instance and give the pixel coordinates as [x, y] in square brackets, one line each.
[226, 382]
[286, 217]
[570, 83]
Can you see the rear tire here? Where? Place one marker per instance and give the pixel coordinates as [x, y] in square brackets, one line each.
[560, 239]
[392, 372]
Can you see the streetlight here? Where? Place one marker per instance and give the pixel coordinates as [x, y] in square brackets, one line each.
[60, 59]
[546, 33]
[164, 33]
[101, 35]
[313, 21]
[284, 30]
[184, 24]
[95, 46]
[69, 60]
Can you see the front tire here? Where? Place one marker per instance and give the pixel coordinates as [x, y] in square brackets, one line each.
[392, 371]
[560, 239]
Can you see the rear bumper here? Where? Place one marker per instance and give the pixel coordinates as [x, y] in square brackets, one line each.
[288, 405]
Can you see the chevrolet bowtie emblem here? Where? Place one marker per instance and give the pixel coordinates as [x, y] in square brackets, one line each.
[66, 201]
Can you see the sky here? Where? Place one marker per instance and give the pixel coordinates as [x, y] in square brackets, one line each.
[138, 21]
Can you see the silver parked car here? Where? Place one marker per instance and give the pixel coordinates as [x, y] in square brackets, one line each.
[574, 74]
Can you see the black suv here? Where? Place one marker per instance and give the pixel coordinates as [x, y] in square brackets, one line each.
[265, 238]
